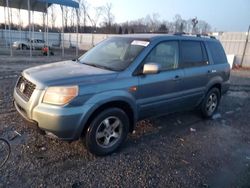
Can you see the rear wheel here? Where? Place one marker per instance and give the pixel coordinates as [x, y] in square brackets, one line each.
[107, 131]
[210, 103]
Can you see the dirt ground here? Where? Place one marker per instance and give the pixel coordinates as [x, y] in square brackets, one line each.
[178, 150]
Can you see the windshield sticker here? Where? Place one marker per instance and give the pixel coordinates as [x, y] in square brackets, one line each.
[140, 43]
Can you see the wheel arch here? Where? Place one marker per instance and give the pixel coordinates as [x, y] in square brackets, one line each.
[122, 104]
[215, 85]
[215, 82]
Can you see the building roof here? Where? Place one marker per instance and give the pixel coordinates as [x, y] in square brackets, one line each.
[35, 5]
[38, 5]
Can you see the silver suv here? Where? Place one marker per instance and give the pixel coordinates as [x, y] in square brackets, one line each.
[102, 94]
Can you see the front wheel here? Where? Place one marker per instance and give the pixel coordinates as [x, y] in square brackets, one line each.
[210, 103]
[107, 131]
[24, 47]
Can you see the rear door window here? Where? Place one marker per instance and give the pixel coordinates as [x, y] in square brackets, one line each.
[217, 52]
[193, 54]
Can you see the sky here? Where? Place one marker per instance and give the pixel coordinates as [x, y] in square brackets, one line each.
[229, 15]
[222, 15]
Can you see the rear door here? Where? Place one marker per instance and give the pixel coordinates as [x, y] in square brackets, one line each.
[196, 67]
[220, 66]
[160, 93]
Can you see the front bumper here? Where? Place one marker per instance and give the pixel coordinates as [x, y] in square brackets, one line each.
[63, 122]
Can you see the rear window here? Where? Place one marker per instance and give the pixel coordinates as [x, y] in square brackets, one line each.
[192, 54]
[217, 52]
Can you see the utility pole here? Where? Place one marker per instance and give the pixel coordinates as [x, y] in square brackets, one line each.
[245, 47]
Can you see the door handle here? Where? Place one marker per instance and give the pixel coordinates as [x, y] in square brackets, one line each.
[176, 78]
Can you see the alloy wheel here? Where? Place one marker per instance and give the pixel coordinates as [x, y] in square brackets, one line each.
[211, 103]
[109, 132]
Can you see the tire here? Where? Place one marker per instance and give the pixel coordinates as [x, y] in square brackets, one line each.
[24, 47]
[107, 131]
[210, 103]
[19, 47]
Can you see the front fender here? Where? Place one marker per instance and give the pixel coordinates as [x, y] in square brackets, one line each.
[103, 98]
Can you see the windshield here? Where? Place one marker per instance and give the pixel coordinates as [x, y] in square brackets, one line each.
[114, 53]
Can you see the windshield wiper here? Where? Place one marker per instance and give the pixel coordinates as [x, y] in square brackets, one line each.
[100, 66]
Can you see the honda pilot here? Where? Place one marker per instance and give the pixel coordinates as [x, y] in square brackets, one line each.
[102, 94]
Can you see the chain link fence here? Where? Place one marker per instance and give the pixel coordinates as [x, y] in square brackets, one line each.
[233, 42]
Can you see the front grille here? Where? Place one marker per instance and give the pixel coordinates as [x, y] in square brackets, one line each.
[25, 88]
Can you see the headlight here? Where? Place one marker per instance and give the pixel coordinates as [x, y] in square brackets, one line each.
[60, 95]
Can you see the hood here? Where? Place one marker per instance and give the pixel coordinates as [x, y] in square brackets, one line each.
[67, 72]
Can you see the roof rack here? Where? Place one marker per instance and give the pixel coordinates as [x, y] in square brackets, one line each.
[194, 35]
[205, 36]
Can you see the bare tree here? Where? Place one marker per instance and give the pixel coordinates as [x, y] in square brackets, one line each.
[19, 17]
[66, 18]
[94, 20]
[138, 26]
[179, 24]
[52, 17]
[163, 28]
[44, 21]
[83, 9]
[153, 22]
[183, 26]
[203, 27]
[189, 26]
[108, 16]
[72, 18]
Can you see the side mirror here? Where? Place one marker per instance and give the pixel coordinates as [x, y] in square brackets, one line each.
[151, 68]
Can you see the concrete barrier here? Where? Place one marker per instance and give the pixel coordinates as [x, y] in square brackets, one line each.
[234, 43]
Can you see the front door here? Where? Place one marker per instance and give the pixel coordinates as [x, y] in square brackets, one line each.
[159, 93]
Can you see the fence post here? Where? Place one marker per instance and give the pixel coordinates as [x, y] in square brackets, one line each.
[10, 34]
[5, 28]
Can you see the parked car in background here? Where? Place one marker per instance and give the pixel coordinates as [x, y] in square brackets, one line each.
[101, 95]
[36, 44]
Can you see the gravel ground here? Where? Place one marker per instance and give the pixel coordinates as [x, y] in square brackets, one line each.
[178, 150]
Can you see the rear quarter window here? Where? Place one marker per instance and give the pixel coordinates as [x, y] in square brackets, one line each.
[217, 52]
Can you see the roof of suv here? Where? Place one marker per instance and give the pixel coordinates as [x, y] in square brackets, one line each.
[169, 36]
